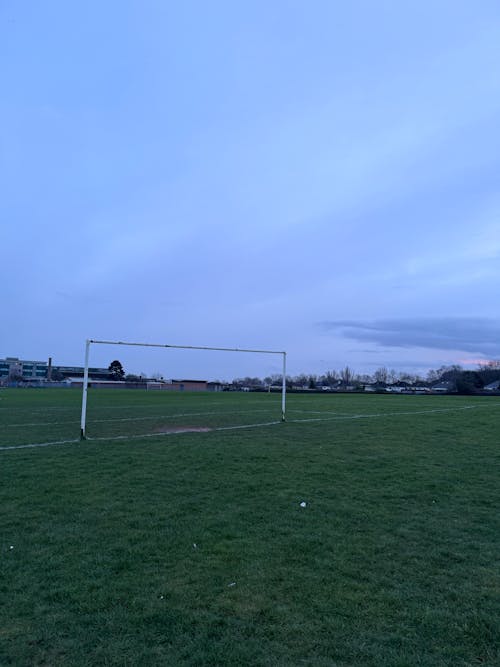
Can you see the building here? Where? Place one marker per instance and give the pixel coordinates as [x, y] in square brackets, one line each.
[444, 387]
[77, 371]
[15, 369]
[188, 385]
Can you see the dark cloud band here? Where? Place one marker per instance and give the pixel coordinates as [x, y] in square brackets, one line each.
[471, 334]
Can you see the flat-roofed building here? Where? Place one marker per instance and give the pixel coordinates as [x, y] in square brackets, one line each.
[188, 385]
[15, 368]
[78, 371]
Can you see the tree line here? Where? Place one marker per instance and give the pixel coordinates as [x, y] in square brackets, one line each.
[456, 377]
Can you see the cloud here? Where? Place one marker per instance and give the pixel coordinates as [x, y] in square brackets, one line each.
[471, 334]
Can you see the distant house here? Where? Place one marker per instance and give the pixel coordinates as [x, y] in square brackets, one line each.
[443, 387]
[396, 389]
[493, 386]
[216, 386]
[399, 387]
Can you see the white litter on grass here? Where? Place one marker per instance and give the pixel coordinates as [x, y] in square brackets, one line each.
[233, 583]
[195, 546]
[11, 547]
[303, 504]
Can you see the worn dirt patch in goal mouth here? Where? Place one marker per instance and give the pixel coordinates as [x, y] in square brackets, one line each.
[168, 428]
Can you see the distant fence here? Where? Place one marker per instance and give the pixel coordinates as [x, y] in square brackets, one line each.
[97, 384]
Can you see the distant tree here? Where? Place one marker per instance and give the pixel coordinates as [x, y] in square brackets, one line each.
[491, 365]
[392, 376]
[330, 378]
[432, 376]
[312, 382]
[347, 376]
[450, 373]
[381, 375]
[406, 377]
[468, 382]
[116, 370]
[489, 372]
[273, 380]
[301, 380]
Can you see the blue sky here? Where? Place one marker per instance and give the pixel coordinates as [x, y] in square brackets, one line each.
[318, 177]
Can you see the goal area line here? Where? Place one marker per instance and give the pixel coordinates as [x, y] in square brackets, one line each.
[92, 341]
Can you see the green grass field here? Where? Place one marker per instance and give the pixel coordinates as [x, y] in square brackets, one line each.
[174, 535]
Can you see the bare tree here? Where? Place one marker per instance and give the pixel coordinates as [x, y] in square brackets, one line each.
[330, 378]
[406, 377]
[432, 376]
[347, 376]
[301, 380]
[273, 380]
[381, 375]
[491, 365]
[393, 376]
[312, 381]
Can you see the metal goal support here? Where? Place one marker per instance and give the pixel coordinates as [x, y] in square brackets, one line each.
[91, 341]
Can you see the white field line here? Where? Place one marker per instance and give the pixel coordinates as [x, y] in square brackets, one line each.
[186, 430]
[133, 419]
[137, 437]
[337, 415]
[320, 412]
[375, 415]
[228, 428]
[233, 428]
[40, 444]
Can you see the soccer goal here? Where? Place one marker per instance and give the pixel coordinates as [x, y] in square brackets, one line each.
[169, 409]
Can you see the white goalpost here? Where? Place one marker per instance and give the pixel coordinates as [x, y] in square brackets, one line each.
[91, 341]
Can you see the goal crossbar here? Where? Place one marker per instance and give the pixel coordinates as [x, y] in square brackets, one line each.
[178, 347]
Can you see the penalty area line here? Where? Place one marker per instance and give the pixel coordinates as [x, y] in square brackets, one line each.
[132, 419]
[34, 445]
[41, 444]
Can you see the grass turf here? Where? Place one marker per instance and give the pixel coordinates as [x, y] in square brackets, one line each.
[192, 548]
